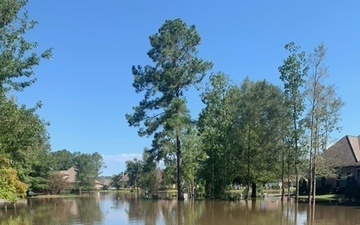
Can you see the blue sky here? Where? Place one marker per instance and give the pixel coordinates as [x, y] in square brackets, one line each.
[87, 88]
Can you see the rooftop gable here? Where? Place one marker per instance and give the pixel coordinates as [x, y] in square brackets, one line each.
[346, 151]
[355, 145]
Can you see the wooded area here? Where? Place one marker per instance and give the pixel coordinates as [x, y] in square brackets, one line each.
[247, 134]
[26, 160]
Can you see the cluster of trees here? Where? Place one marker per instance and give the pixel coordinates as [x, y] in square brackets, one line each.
[250, 134]
[23, 135]
[26, 160]
[87, 166]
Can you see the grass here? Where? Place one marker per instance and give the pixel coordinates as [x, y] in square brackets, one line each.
[324, 198]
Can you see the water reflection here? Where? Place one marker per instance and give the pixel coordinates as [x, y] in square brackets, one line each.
[65, 211]
[170, 212]
[109, 209]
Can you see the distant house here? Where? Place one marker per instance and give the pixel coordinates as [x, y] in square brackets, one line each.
[98, 185]
[346, 154]
[69, 175]
[105, 183]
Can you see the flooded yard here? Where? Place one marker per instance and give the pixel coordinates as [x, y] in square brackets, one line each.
[127, 209]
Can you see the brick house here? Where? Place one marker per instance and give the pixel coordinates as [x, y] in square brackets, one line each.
[345, 154]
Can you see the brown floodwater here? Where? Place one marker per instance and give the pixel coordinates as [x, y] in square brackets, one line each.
[127, 209]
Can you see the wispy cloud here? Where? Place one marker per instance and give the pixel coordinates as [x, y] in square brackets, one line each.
[121, 157]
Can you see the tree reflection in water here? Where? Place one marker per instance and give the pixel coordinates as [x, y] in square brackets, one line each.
[128, 209]
[64, 211]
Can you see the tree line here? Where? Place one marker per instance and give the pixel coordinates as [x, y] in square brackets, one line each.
[26, 160]
[247, 134]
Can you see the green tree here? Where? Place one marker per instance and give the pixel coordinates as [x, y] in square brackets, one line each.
[322, 116]
[163, 110]
[215, 128]
[292, 74]
[11, 188]
[41, 171]
[259, 122]
[150, 176]
[56, 183]
[17, 55]
[99, 163]
[87, 170]
[116, 180]
[193, 156]
[134, 170]
[241, 130]
[62, 160]
[23, 135]
[23, 138]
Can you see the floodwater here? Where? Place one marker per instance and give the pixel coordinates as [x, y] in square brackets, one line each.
[127, 209]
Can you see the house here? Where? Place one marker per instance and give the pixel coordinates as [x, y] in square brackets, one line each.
[69, 175]
[98, 185]
[345, 154]
[105, 183]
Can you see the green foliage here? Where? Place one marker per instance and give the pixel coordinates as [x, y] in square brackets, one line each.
[11, 187]
[144, 173]
[17, 55]
[24, 139]
[57, 183]
[163, 110]
[88, 167]
[23, 135]
[193, 156]
[242, 132]
[260, 120]
[98, 160]
[116, 181]
[62, 160]
[322, 117]
[215, 125]
[293, 73]
[134, 170]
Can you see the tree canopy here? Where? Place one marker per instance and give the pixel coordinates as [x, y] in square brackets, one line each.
[163, 111]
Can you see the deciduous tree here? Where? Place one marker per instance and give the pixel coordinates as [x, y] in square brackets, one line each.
[292, 74]
[259, 121]
[11, 188]
[215, 128]
[57, 183]
[323, 114]
[17, 55]
[23, 134]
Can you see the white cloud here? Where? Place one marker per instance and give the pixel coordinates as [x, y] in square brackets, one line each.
[121, 157]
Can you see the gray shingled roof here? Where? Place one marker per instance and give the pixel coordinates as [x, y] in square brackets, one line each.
[346, 151]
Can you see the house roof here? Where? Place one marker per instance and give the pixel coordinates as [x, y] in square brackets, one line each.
[105, 181]
[346, 151]
[124, 178]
